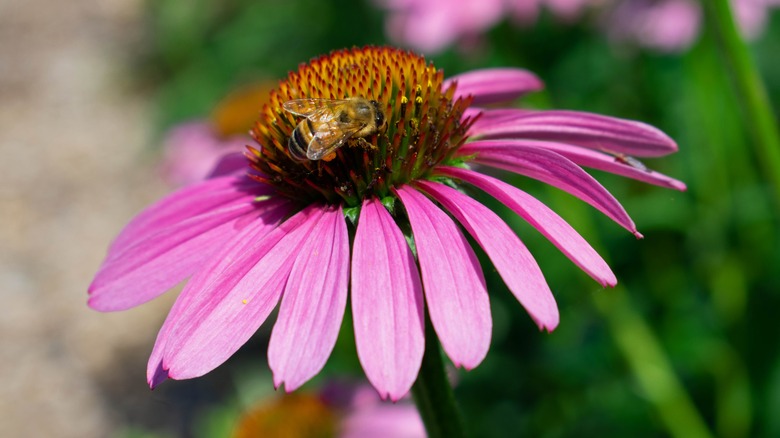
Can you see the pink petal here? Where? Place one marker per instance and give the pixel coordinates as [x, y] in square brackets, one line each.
[383, 421]
[455, 290]
[511, 258]
[191, 150]
[228, 299]
[162, 260]
[184, 204]
[235, 162]
[552, 168]
[617, 164]
[494, 85]
[607, 134]
[552, 226]
[387, 303]
[312, 305]
[491, 115]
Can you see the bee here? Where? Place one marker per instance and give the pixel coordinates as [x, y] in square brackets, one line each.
[328, 124]
[628, 160]
[631, 161]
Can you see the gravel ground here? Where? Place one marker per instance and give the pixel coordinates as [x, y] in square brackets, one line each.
[76, 164]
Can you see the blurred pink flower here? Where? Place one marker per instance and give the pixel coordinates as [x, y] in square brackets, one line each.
[279, 235]
[665, 25]
[673, 25]
[433, 25]
[386, 420]
[193, 151]
[366, 415]
[340, 410]
[527, 11]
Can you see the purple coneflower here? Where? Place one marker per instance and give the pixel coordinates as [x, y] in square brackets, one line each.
[383, 220]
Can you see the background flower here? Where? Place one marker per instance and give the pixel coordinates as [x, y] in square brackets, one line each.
[195, 150]
[674, 25]
[339, 409]
[432, 26]
[664, 25]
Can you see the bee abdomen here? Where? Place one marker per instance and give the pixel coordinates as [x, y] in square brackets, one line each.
[297, 145]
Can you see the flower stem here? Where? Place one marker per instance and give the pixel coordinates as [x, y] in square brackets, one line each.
[757, 111]
[433, 393]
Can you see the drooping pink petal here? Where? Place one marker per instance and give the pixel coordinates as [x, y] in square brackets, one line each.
[511, 258]
[455, 290]
[191, 150]
[183, 204]
[387, 303]
[552, 168]
[160, 261]
[541, 217]
[617, 164]
[229, 164]
[228, 299]
[494, 85]
[602, 133]
[313, 304]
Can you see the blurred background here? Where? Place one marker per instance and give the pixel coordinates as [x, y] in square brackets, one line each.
[94, 96]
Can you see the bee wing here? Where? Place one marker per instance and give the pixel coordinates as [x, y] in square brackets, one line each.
[330, 135]
[311, 107]
[636, 164]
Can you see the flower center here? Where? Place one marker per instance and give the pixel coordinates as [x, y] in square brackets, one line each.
[361, 121]
[291, 415]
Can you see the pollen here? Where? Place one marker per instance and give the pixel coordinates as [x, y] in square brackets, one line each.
[422, 126]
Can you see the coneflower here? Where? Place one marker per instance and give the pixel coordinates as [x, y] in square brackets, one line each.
[382, 221]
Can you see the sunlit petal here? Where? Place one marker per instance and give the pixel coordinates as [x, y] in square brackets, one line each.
[546, 221]
[511, 258]
[455, 290]
[387, 303]
[313, 304]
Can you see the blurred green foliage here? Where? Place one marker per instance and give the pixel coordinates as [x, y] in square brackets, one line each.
[704, 279]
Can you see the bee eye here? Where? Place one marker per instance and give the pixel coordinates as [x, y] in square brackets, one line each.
[379, 117]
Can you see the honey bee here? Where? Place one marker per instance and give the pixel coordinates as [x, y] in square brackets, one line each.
[628, 160]
[631, 161]
[328, 124]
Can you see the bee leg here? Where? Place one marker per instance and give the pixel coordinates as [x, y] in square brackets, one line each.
[365, 144]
